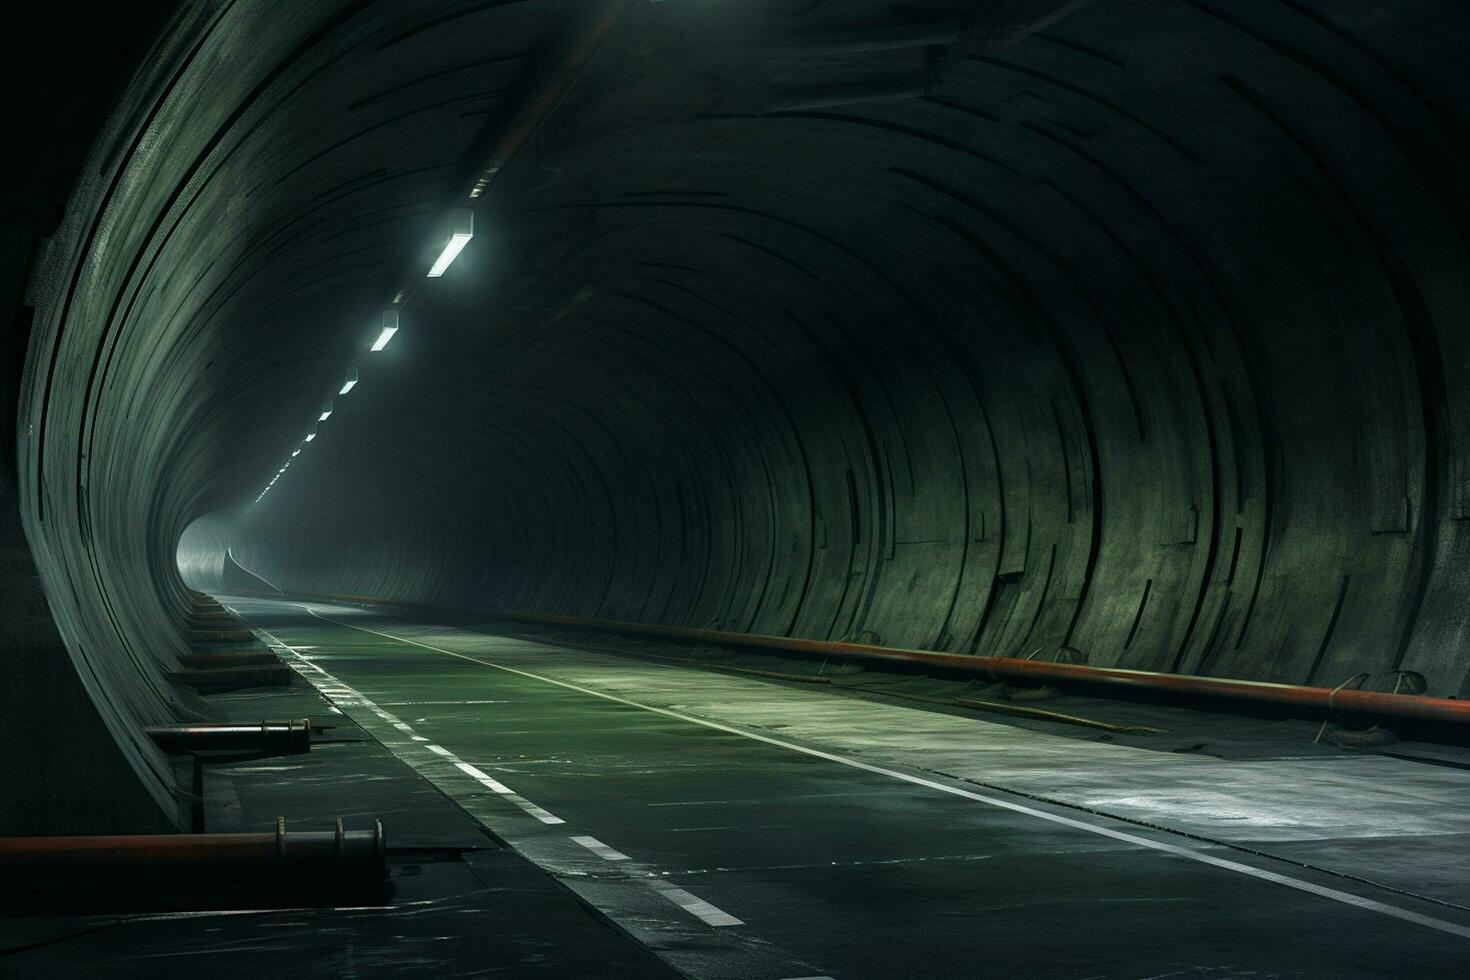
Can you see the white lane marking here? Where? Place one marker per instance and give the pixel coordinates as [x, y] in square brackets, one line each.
[1333, 894]
[687, 901]
[400, 704]
[336, 688]
[692, 904]
[498, 787]
[601, 850]
[216, 913]
[494, 785]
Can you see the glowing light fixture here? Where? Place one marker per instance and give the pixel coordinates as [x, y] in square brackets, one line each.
[295, 452]
[312, 434]
[461, 230]
[390, 327]
[326, 412]
[350, 383]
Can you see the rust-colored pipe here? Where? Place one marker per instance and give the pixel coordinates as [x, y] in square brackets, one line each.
[1317, 701]
[357, 850]
[1301, 699]
[94, 875]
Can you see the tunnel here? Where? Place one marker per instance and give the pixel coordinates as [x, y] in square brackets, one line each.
[1054, 407]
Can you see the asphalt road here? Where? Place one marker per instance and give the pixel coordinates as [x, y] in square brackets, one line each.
[735, 851]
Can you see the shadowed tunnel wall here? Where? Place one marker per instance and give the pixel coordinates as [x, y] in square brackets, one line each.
[1141, 331]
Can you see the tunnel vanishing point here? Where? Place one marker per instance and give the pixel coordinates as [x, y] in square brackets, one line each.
[1110, 350]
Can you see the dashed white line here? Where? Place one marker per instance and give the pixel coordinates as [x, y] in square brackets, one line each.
[600, 849]
[1333, 894]
[336, 689]
[692, 904]
[495, 786]
[689, 902]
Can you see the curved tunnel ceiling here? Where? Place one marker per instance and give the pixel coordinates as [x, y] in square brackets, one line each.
[1135, 328]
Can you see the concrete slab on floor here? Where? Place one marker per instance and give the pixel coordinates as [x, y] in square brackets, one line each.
[855, 838]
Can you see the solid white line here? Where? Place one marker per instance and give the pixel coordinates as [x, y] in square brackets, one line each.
[1346, 898]
[600, 849]
[692, 904]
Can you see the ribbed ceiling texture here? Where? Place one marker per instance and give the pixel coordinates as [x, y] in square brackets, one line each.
[1131, 332]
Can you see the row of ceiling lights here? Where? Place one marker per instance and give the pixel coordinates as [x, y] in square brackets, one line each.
[461, 230]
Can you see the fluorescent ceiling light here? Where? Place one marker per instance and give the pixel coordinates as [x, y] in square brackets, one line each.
[351, 381]
[450, 253]
[296, 452]
[311, 435]
[462, 229]
[323, 417]
[390, 327]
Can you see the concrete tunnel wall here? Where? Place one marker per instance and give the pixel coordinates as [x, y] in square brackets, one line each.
[1144, 335]
[207, 564]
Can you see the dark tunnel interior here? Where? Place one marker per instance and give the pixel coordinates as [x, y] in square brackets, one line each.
[1130, 333]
